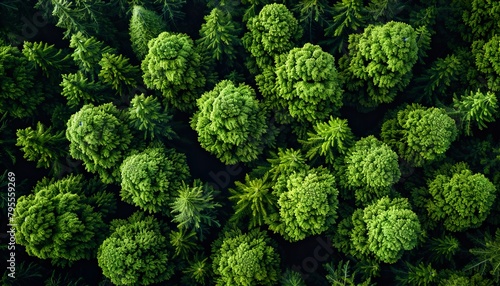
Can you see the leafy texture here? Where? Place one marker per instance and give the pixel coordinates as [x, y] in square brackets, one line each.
[149, 179]
[100, 138]
[173, 66]
[476, 108]
[136, 252]
[231, 123]
[246, 259]
[117, 72]
[144, 26]
[147, 115]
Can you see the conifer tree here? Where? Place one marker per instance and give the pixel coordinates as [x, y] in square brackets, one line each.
[185, 242]
[144, 26]
[117, 72]
[48, 58]
[476, 108]
[199, 269]
[219, 36]
[147, 115]
[42, 146]
[173, 66]
[348, 16]
[99, 136]
[88, 53]
[79, 90]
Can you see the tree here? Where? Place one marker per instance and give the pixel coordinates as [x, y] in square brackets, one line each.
[219, 36]
[144, 26]
[329, 140]
[173, 66]
[272, 32]
[246, 259]
[42, 146]
[19, 95]
[99, 136]
[194, 207]
[487, 61]
[147, 115]
[460, 199]
[231, 124]
[58, 221]
[46, 57]
[253, 198]
[342, 274]
[419, 274]
[291, 278]
[79, 90]
[88, 52]
[385, 229]
[478, 108]
[307, 203]
[136, 252]
[372, 168]
[185, 242]
[308, 85]
[150, 178]
[420, 135]
[348, 16]
[199, 270]
[486, 258]
[383, 57]
[117, 72]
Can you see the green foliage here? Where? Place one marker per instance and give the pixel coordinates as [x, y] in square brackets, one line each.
[420, 274]
[79, 90]
[254, 199]
[420, 135]
[307, 203]
[246, 259]
[442, 249]
[308, 84]
[383, 56]
[57, 279]
[385, 229]
[482, 18]
[149, 179]
[41, 145]
[144, 26]
[486, 258]
[57, 221]
[271, 33]
[172, 10]
[173, 66]
[219, 36]
[19, 95]
[231, 123]
[330, 139]
[136, 252]
[100, 138]
[459, 278]
[286, 162]
[184, 242]
[372, 163]
[348, 16]
[342, 275]
[146, 115]
[384, 10]
[460, 199]
[118, 73]
[194, 207]
[199, 269]
[488, 61]
[88, 52]
[46, 57]
[26, 273]
[291, 278]
[478, 108]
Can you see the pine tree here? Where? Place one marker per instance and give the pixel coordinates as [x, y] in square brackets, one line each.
[144, 26]
[147, 115]
[117, 72]
[184, 241]
[46, 57]
[79, 90]
[476, 108]
[88, 53]
[219, 36]
[348, 17]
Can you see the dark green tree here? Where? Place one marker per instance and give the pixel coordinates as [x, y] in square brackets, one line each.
[149, 179]
[486, 259]
[307, 203]
[232, 124]
[117, 72]
[137, 252]
[291, 278]
[47, 57]
[460, 199]
[144, 25]
[199, 269]
[194, 207]
[99, 136]
[308, 85]
[420, 135]
[342, 274]
[147, 115]
[246, 259]
[185, 242]
[79, 90]
[173, 66]
[58, 221]
[19, 95]
[487, 61]
[348, 16]
[88, 52]
[476, 108]
[219, 36]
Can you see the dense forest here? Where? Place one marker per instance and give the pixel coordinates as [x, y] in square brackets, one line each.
[252, 142]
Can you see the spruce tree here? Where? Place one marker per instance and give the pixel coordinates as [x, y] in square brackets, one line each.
[144, 26]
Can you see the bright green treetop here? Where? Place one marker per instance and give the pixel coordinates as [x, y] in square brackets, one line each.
[144, 26]
[58, 221]
[173, 66]
[308, 84]
[136, 253]
[118, 73]
[149, 179]
[476, 108]
[246, 259]
[386, 229]
[88, 52]
[147, 115]
[383, 56]
[460, 199]
[272, 32]
[99, 136]
[420, 135]
[307, 203]
[231, 123]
